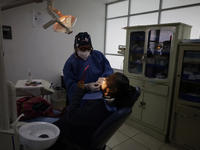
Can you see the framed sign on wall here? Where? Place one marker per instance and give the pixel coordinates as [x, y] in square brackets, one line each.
[7, 32]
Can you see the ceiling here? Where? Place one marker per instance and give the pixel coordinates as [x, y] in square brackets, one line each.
[107, 1]
[7, 1]
[7, 4]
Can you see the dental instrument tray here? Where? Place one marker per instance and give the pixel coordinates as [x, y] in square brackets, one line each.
[33, 83]
[37, 87]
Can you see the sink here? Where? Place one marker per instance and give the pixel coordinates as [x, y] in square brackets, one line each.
[38, 135]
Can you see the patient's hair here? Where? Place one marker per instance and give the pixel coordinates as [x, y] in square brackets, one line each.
[125, 90]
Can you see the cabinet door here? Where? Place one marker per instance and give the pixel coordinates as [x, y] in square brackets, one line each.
[136, 51]
[9, 142]
[158, 53]
[137, 108]
[190, 77]
[186, 130]
[154, 112]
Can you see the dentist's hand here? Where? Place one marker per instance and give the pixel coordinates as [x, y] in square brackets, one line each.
[93, 86]
[100, 80]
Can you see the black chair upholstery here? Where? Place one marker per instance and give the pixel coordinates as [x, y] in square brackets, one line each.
[134, 97]
[106, 130]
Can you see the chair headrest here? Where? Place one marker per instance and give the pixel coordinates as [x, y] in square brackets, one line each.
[134, 97]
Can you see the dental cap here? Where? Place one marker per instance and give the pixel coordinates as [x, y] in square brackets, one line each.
[83, 38]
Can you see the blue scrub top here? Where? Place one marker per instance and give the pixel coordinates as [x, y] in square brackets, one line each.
[74, 67]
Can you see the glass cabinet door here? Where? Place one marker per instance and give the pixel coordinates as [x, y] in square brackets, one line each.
[136, 51]
[158, 53]
[190, 77]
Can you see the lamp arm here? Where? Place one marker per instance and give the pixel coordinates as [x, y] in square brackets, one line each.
[50, 9]
[56, 11]
[48, 24]
[50, 12]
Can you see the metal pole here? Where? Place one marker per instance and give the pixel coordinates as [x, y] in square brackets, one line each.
[4, 106]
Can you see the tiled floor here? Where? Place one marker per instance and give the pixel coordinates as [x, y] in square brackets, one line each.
[129, 138]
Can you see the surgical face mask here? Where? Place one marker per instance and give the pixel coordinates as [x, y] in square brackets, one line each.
[83, 55]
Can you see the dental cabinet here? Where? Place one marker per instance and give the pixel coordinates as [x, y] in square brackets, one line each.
[185, 120]
[150, 63]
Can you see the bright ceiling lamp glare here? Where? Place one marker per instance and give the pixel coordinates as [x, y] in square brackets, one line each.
[68, 21]
[62, 23]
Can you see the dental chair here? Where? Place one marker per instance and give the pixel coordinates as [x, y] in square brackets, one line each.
[106, 130]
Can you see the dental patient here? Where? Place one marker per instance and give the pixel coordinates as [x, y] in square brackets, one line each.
[88, 110]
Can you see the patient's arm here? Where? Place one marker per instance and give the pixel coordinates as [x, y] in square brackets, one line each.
[73, 113]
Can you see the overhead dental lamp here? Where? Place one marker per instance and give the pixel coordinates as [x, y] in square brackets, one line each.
[61, 23]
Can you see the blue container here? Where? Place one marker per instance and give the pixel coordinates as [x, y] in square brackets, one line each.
[190, 98]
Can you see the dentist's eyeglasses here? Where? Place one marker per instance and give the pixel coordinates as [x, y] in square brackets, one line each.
[85, 48]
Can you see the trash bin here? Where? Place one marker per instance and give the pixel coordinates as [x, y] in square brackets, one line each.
[58, 98]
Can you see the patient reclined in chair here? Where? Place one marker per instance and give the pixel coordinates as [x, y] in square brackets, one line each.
[92, 118]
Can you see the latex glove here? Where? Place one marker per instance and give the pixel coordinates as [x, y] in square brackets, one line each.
[93, 86]
[100, 80]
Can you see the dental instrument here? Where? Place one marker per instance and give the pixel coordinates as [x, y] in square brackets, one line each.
[83, 77]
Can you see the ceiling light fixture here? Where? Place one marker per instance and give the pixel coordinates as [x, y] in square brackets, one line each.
[61, 23]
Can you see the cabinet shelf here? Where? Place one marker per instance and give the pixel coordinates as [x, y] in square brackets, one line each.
[153, 65]
[137, 51]
[187, 103]
[158, 66]
[156, 52]
[148, 52]
[191, 62]
[189, 97]
[136, 63]
[191, 81]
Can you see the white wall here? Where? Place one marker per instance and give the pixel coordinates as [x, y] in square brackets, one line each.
[45, 51]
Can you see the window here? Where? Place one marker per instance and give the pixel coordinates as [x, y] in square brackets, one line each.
[146, 19]
[139, 6]
[117, 9]
[186, 15]
[115, 35]
[116, 62]
[176, 3]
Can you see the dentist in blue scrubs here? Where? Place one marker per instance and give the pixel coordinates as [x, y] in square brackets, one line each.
[84, 55]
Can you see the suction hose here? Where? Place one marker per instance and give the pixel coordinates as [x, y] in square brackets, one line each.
[15, 125]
